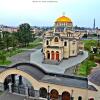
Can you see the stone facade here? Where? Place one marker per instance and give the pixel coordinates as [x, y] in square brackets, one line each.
[62, 42]
[74, 92]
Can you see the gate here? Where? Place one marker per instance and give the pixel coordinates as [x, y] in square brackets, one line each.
[31, 91]
[21, 89]
[18, 89]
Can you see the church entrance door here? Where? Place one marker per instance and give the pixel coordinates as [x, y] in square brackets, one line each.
[54, 95]
[52, 55]
[57, 55]
[65, 96]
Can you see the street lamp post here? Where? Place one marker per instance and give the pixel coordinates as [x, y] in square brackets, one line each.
[48, 92]
[71, 97]
[98, 38]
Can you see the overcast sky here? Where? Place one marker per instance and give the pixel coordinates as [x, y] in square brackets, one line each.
[82, 12]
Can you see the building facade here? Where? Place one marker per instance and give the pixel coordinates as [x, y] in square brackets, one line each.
[62, 42]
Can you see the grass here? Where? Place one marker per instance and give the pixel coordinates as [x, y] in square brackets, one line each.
[7, 62]
[85, 67]
[88, 44]
[35, 43]
[1, 92]
[13, 52]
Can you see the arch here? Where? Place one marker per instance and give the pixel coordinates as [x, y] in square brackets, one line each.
[11, 71]
[48, 54]
[56, 39]
[43, 92]
[57, 55]
[47, 42]
[6, 81]
[54, 94]
[79, 98]
[73, 42]
[65, 43]
[65, 95]
[52, 55]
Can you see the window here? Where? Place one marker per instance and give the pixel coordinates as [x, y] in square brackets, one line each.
[73, 51]
[56, 39]
[65, 43]
[47, 42]
[73, 42]
[48, 55]
[79, 98]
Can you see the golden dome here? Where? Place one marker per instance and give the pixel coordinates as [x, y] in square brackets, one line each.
[64, 19]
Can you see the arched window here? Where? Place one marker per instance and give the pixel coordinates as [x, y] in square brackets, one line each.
[66, 95]
[73, 42]
[56, 39]
[73, 51]
[43, 92]
[48, 55]
[65, 43]
[54, 94]
[79, 98]
[47, 42]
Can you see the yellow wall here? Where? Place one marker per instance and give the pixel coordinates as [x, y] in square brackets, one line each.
[37, 84]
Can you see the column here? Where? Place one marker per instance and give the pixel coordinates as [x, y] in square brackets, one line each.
[20, 80]
[10, 87]
[1, 86]
[26, 91]
[13, 78]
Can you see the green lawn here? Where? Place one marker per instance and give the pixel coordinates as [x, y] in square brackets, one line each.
[85, 67]
[1, 92]
[35, 43]
[89, 43]
[7, 62]
[13, 52]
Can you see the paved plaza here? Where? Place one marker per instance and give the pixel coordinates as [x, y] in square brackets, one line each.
[9, 96]
[37, 58]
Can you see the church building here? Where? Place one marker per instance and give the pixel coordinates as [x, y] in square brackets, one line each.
[62, 42]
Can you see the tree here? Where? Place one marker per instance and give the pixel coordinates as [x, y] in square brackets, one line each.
[14, 40]
[7, 39]
[2, 44]
[85, 36]
[24, 34]
[2, 56]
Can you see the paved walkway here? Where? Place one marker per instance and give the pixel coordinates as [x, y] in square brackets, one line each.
[95, 68]
[21, 57]
[8, 96]
[96, 95]
[95, 76]
[37, 59]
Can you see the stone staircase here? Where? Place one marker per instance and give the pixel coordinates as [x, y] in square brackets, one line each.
[53, 62]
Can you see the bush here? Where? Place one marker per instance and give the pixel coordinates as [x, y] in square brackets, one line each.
[85, 67]
[91, 57]
[2, 57]
[97, 59]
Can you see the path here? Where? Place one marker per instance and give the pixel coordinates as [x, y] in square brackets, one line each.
[9, 96]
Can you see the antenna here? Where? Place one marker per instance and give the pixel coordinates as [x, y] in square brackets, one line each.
[94, 24]
[63, 13]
